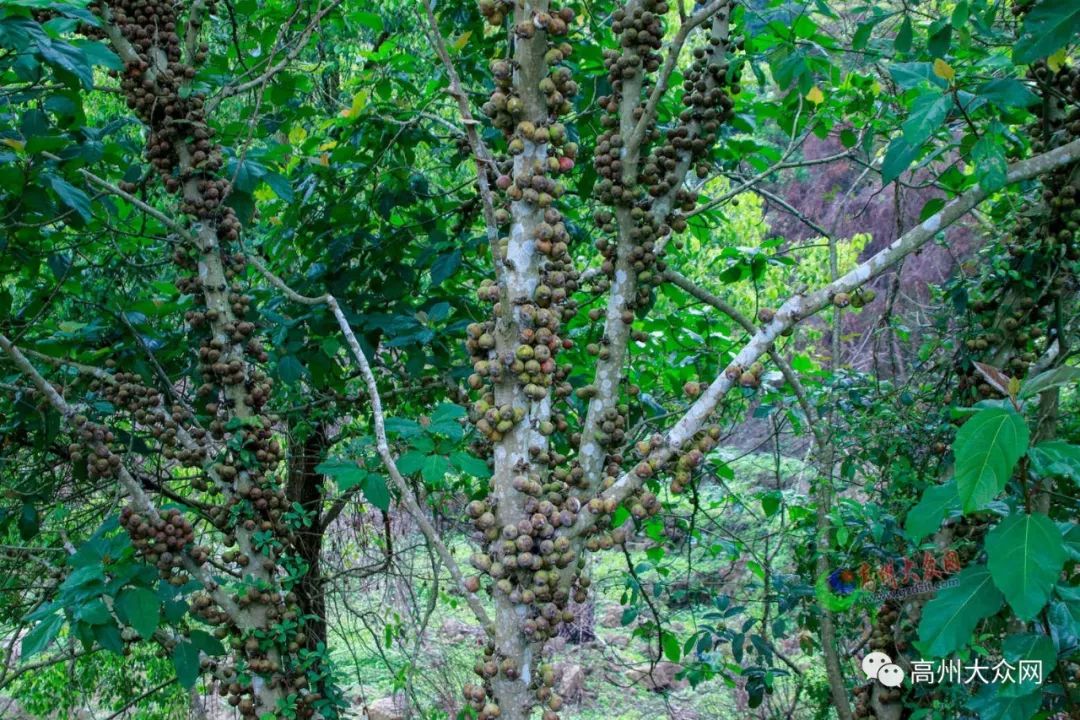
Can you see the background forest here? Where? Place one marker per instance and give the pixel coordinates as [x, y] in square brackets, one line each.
[539, 359]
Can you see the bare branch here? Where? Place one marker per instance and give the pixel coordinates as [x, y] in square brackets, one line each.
[267, 75]
[381, 442]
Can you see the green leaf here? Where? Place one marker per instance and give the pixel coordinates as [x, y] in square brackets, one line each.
[1070, 535]
[1025, 554]
[369, 20]
[1006, 93]
[990, 166]
[29, 521]
[930, 208]
[41, 636]
[898, 158]
[992, 702]
[1029, 646]
[71, 196]
[140, 608]
[927, 114]
[403, 427]
[1048, 27]
[862, 35]
[925, 518]
[904, 36]
[770, 503]
[108, 636]
[376, 492]
[960, 14]
[949, 619]
[68, 58]
[672, 646]
[1063, 375]
[470, 465]
[207, 643]
[1056, 458]
[986, 450]
[346, 473]
[280, 185]
[444, 266]
[93, 612]
[434, 469]
[185, 658]
[910, 75]
[938, 42]
[410, 462]
[290, 370]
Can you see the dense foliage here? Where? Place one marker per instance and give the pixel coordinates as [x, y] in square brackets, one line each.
[752, 320]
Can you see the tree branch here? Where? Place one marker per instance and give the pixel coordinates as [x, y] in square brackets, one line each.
[800, 307]
[381, 442]
[481, 156]
[231, 90]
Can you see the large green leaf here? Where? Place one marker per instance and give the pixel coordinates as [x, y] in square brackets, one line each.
[926, 517]
[347, 474]
[109, 637]
[1048, 27]
[41, 636]
[1028, 646]
[185, 657]
[927, 115]
[71, 196]
[1025, 554]
[986, 449]
[1055, 457]
[992, 703]
[1051, 378]
[950, 618]
[376, 491]
[990, 166]
[140, 608]
[898, 157]
[1006, 93]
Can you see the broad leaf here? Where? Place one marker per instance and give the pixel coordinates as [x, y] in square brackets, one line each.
[993, 703]
[140, 608]
[41, 636]
[207, 643]
[1006, 93]
[988, 155]
[927, 115]
[376, 491]
[1048, 26]
[949, 619]
[986, 450]
[71, 196]
[185, 657]
[1056, 458]
[1025, 554]
[925, 518]
[346, 473]
[898, 158]
[1056, 377]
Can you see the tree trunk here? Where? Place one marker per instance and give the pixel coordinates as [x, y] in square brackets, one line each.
[305, 486]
